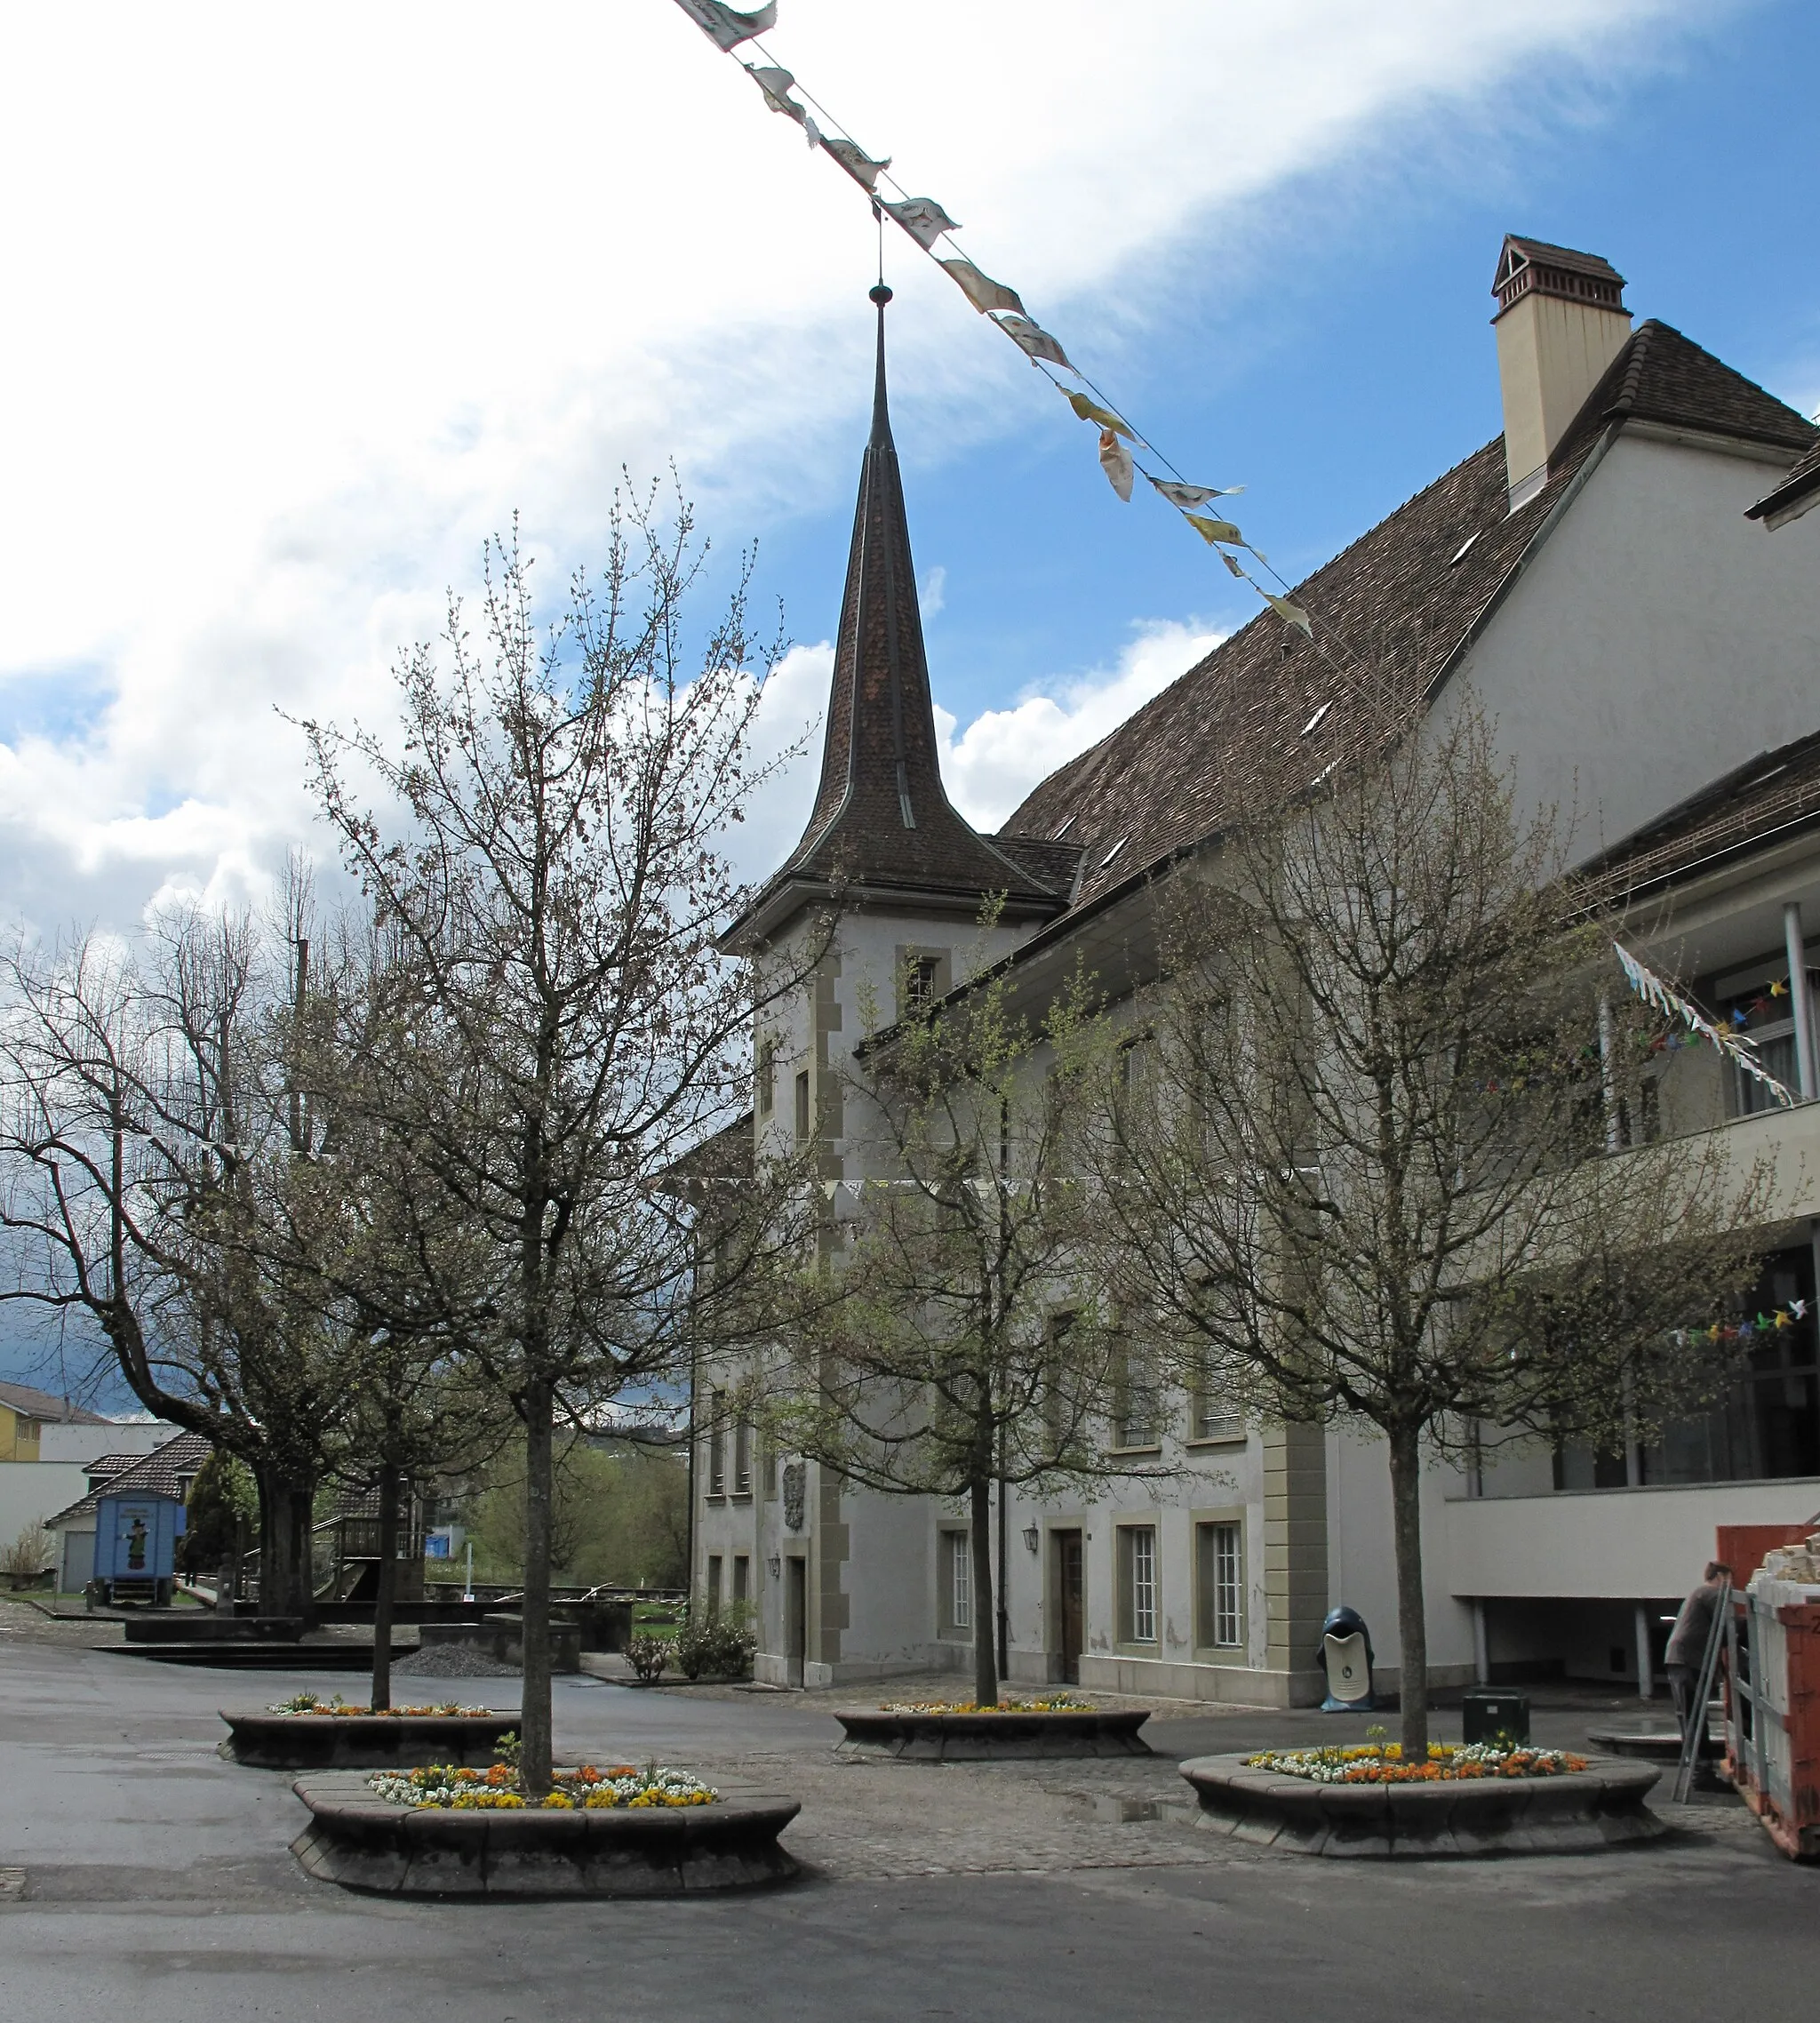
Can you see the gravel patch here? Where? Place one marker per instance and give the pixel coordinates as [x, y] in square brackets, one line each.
[454, 1662]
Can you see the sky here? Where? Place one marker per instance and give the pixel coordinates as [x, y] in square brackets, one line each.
[305, 302]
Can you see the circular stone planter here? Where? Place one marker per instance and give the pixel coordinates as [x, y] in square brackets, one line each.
[975, 1738]
[363, 1741]
[357, 1840]
[1578, 1812]
[1655, 1745]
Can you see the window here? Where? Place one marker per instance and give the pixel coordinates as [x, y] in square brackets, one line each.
[742, 1580]
[765, 1076]
[957, 1582]
[1137, 1583]
[742, 1456]
[714, 1586]
[1058, 1418]
[1210, 1417]
[1136, 1414]
[1764, 1015]
[1220, 1578]
[923, 975]
[716, 1444]
[802, 1106]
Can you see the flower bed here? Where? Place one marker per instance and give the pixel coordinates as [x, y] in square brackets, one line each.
[457, 1787]
[1061, 1703]
[1372, 1762]
[1476, 1802]
[632, 1834]
[305, 1733]
[307, 1703]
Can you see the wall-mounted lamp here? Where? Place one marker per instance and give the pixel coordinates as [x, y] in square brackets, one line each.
[1033, 1537]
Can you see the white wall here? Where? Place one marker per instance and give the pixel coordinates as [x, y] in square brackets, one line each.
[33, 1491]
[86, 1444]
[1657, 640]
[1616, 1542]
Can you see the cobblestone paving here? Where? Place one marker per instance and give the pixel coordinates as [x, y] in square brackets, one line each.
[880, 1821]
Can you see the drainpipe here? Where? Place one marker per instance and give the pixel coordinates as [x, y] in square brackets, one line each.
[1646, 1670]
[1481, 1646]
[1800, 1001]
[1614, 1142]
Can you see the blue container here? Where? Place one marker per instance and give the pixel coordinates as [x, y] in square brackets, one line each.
[136, 1542]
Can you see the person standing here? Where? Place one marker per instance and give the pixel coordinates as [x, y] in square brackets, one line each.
[1687, 1653]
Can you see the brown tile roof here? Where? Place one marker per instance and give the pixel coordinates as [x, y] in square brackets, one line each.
[1802, 479]
[166, 1471]
[46, 1404]
[1267, 711]
[1765, 798]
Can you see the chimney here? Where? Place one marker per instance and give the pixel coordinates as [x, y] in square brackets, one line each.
[1560, 322]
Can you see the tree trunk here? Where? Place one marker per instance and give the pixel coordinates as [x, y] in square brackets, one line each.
[1412, 1622]
[386, 1589]
[534, 1731]
[287, 1511]
[986, 1669]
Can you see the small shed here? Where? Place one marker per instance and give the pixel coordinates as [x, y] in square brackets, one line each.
[122, 1537]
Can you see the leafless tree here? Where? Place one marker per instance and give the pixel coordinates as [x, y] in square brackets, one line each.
[551, 871]
[947, 1346]
[1369, 1174]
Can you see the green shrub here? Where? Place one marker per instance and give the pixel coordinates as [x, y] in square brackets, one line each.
[648, 1656]
[720, 1648]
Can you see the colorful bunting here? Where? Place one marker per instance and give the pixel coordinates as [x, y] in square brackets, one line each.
[1115, 462]
[981, 290]
[1091, 410]
[1033, 339]
[725, 26]
[1188, 496]
[1774, 1323]
[923, 218]
[857, 162]
[927, 222]
[775, 83]
[1652, 990]
[1215, 530]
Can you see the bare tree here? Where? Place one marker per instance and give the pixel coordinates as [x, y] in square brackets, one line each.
[948, 1347]
[149, 1134]
[1370, 1176]
[552, 877]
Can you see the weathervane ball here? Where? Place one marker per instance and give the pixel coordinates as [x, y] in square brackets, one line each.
[880, 294]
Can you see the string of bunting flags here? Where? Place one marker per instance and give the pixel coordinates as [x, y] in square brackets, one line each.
[1654, 991]
[925, 222]
[1780, 1319]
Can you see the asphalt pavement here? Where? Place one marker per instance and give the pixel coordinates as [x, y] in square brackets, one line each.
[143, 1878]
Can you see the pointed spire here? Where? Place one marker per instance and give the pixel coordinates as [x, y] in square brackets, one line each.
[882, 822]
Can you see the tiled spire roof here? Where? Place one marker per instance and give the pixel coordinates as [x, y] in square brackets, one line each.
[882, 822]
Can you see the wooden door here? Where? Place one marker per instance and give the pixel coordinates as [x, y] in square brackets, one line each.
[1070, 1603]
[795, 1618]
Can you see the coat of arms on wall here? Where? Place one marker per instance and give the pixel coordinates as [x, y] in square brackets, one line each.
[795, 1483]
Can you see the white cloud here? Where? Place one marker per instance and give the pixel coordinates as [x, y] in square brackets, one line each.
[302, 305]
[934, 593]
[1003, 753]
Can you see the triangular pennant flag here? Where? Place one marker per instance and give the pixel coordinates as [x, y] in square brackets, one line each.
[923, 218]
[1115, 462]
[725, 26]
[1090, 411]
[1214, 531]
[1187, 496]
[1232, 563]
[857, 162]
[1290, 614]
[1033, 339]
[981, 290]
[775, 82]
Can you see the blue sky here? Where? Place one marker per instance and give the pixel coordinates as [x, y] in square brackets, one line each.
[297, 332]
[301, 330]
[1333, 350]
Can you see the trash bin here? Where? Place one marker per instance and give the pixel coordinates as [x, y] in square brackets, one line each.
[1488, 1717]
